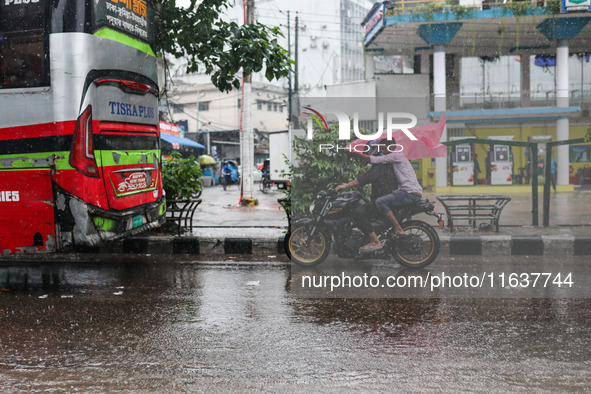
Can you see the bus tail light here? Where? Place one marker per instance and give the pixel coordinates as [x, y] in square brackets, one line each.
[128, 86]
[82, 155]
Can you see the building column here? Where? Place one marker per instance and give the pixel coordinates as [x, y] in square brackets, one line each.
[436, 35]
[562, 124]
[424, 63]
[439, 96]
[370, 67]
[453, 67]
[561, 29]
[525, 88]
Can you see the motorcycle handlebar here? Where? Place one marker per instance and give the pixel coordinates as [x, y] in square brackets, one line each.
[328, 192]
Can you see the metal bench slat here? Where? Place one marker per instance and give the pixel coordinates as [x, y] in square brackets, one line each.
[480, 217]
[467, 207]
[471, 211]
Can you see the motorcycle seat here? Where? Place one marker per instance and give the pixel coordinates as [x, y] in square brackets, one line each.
[424, 203]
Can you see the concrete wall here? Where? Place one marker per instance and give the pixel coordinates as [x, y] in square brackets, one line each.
[352, 89]
[410, 91]
[403, 85]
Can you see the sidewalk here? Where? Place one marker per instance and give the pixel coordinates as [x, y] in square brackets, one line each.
[222, 227]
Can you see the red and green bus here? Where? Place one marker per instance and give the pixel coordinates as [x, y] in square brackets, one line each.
[79, 139]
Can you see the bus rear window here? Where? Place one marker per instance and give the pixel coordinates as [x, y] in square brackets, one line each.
[108, 141]
[24, 57]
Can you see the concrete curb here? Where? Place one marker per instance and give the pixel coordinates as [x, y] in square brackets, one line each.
[485, 245]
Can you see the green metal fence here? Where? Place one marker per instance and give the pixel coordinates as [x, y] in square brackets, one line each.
[532, 146]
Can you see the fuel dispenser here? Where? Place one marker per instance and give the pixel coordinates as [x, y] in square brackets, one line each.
[462, 170]
[500, 162]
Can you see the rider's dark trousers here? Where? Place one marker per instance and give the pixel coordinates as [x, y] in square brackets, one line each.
[361, 215]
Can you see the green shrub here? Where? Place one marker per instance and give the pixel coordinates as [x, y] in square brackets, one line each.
[317, 170]
[554, 6]
[179, 177]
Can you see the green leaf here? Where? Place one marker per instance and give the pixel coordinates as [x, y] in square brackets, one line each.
[222, 48]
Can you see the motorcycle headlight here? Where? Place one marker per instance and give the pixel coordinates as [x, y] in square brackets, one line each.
[312, 206]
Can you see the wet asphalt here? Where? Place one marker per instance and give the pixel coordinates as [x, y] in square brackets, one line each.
[138, 326]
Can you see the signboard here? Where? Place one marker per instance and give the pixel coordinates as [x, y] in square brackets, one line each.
[184, 125]
[133, 17]
[170, 128]
[374, 24]
[576, 5]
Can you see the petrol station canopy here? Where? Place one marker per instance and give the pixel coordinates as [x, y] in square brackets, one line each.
[503, 29]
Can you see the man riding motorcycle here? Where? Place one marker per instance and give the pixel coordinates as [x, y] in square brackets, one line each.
[408, 192]
[383, 182]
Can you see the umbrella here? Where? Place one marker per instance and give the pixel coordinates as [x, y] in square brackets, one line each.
[205, 160]
[426, 145]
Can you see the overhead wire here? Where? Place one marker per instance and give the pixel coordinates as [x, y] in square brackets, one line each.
[305, 13]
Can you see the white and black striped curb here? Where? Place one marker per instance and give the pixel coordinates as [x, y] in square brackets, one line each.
[507, 245]
[485, 245]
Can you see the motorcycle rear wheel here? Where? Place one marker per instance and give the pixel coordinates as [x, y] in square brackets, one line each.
[418, 247]
[306, 252]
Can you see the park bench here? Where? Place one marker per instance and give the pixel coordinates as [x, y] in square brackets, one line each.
[182, 212]
[474, 207]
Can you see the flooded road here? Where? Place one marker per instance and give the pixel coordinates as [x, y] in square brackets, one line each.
[143, 327]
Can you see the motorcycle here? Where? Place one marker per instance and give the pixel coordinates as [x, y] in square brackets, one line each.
[331, 221]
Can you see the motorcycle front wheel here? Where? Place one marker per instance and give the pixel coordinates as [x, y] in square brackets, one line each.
[307, 251]
[418, 247]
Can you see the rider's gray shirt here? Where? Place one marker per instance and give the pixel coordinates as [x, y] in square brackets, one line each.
[407, 179]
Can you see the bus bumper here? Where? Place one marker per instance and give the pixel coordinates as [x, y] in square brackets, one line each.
[79, 224]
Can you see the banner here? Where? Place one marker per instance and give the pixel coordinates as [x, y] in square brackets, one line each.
[129, 16]
[576, 5]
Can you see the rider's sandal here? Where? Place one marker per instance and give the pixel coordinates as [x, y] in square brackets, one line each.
[368, 248]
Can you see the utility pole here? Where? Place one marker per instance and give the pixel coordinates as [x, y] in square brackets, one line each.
[246, 134]
[297, 85]
[197, 117]
[294, 110]
[289, 91]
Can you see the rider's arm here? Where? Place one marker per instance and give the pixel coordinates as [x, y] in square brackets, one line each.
[342, 186]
